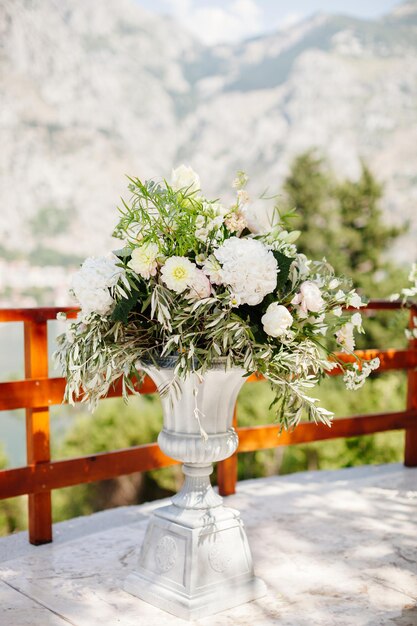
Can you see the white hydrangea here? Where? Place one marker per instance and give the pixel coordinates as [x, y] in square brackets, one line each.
[276, 320]
[92, 283]
[178, 273]
[248, 268]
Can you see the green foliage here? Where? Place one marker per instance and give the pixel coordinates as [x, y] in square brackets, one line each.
[12, 511]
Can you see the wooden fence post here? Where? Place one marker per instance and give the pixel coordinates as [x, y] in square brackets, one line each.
[227, 469]
[37, 430]
[410, 451]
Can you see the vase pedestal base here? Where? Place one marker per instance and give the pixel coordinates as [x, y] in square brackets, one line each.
[194, 563]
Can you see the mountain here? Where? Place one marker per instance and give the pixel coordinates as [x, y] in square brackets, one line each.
[91, 91]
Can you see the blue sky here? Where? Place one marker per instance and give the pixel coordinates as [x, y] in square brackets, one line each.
[214, 21]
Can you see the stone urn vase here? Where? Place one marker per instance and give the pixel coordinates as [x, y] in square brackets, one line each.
[195, 559]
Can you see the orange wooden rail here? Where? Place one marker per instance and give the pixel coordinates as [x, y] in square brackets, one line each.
[38, 392]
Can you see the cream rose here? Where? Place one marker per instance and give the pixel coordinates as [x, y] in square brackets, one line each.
[143, 260]
[185, 178]
[276, 320]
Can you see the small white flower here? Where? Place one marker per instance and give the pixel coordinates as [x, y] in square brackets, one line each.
[353, 299]
[61, 316]
[202, 234]
[240, 181]
[235, 300]
[143, 260]
[184, 178]
[276, 320]
[334, 283]
[340, 296]
[338, 311]
[356, 320]
[345, 337]
[200, 258]
[218, 209]
[213, 269]
[178, 273]
[200, 286]
[309, 298]
[200, 221]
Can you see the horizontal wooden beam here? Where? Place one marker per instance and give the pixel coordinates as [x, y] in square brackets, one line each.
[36, 314]
[65, 473]
[42, 392]
[263, 437]
[69, 472]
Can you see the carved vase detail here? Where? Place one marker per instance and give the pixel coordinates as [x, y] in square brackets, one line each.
[166, 553]
[219, 557]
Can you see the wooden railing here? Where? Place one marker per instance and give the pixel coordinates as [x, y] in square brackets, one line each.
[37, 393]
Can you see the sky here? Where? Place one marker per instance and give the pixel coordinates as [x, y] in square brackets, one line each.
[218, 21]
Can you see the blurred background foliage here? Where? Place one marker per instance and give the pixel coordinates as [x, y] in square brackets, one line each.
[341, 218]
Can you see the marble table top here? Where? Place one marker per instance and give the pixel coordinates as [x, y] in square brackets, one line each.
[335, 548]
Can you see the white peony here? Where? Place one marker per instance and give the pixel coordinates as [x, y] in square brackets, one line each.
[143, 260]
[91, 284]
[276, 320]
[248, 268]
[178, 273]
[309, 298]
[186, 179]
[345, 337]
[200, 287]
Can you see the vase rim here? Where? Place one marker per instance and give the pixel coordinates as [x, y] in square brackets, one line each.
[169, 362]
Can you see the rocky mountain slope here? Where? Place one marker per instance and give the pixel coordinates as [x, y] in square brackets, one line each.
[91, 91]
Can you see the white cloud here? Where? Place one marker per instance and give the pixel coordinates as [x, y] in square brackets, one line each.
[214, 24]
[289, 20]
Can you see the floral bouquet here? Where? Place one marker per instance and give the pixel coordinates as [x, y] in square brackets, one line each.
[199, 280]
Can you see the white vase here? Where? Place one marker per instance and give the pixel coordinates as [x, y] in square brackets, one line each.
[195, 559]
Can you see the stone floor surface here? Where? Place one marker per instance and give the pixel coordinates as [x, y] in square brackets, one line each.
[334, 548]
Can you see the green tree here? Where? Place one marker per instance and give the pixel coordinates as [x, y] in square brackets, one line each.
[307, 189]
[12, 511]
[342, 220]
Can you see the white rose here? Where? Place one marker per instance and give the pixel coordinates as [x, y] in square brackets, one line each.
[309, 298]
[200, 286]
[143, 260]
[185, 178]
[276, 320]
